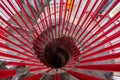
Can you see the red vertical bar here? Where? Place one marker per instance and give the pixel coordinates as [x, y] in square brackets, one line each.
[46, 21]
[15, 37]
[57, 76]
[82, 14]
[75, 15]
[33, 15]
[22, 8]
[99, 21]
[101, 29]
[39, 46]
[14, 29]
[110, 38]
[7, 7]
[50, 21]
[60, 17]
[64, 18]
[87, 15]
[32, 12]
[97, 11]
[43, 25]
[55, 16]
[59, 12]
[15, 44]
[45, 18]
[105, 26]
[15, 22]
[13, 7]
[69, 16]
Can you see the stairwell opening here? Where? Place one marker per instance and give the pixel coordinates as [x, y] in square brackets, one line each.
[56, 57]
[57, 52]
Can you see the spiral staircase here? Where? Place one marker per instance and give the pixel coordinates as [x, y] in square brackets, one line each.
[59, 39]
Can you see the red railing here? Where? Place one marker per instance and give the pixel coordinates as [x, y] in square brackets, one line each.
[84, 23]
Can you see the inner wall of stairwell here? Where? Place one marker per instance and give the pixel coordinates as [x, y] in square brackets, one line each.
[110, 43]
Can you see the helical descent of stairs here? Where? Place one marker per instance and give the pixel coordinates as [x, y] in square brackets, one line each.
[58, 40]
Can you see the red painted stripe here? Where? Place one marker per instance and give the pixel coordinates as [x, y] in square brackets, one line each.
[7, 73]
[57, 76]
[101, 67]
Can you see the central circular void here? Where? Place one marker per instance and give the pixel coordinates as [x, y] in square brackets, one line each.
[55, 56]
[55, 53]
